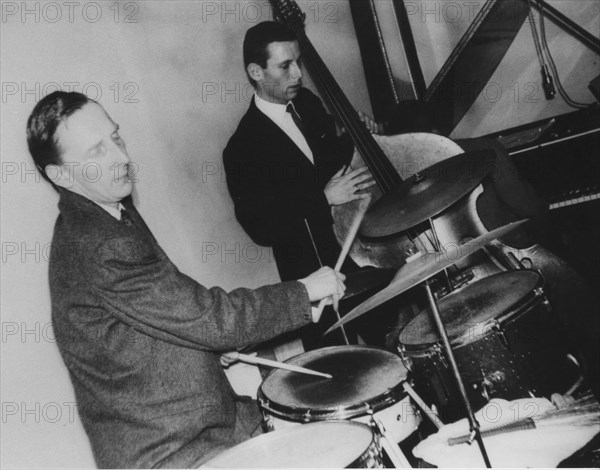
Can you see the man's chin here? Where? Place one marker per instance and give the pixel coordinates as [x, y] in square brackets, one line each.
[126, 190]
[292, 91]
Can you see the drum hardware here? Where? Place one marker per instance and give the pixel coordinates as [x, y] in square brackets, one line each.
[499, 324]
[387, 443]
[489, 383]
[430, 413]
[429, 264]
[474, 431]
[457, 281]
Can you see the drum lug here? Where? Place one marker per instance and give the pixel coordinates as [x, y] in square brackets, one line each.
[406, 360]
[539, 293]
[268, 423]
[372, 422]
[306, 417]
[496, 328]
[489, 383]
[437, 351]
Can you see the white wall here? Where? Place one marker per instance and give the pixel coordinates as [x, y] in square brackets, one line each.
[163, 70]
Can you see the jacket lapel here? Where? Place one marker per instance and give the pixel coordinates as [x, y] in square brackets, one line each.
[272, 133]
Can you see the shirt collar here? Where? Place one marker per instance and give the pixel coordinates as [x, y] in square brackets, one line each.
[116, 213]
[273, 110]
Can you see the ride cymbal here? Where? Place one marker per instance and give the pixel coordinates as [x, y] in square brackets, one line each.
[426, 194]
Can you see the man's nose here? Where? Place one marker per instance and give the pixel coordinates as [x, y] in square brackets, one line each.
[120, 153]
[296, 72]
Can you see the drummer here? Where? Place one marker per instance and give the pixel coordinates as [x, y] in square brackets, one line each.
[140, 339]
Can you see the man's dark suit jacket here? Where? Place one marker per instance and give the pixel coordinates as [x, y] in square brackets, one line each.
[275, 187]
[141, 341]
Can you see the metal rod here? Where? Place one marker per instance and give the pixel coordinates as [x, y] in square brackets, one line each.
[473, 424]
[391, 448]
[438, 248]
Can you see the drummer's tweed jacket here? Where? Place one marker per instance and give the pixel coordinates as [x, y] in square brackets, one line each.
[141, 341]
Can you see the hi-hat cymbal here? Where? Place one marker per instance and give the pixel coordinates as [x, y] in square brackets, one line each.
[426, 194]
[421, 269]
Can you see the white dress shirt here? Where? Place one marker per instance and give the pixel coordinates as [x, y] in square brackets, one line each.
[116, 213]
[278, 114]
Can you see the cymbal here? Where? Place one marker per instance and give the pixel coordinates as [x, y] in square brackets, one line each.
[421, 269]
[359, 282]
[426, 194]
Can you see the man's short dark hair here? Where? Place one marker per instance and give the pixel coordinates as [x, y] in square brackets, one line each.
[258, 39]
[45, 118]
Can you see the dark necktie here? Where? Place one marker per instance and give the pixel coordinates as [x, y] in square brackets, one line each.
[298, 121]
[126, 218]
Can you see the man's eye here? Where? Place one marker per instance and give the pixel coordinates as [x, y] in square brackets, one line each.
[98, 151]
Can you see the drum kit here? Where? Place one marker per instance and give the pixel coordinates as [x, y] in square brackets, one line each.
[494, 337]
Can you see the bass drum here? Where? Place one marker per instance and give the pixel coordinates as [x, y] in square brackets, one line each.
[506, 340]
[367, 383]
[340, 444]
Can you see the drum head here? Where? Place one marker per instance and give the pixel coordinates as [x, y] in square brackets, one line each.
[467, 312]
[317, 445]
[361, 375]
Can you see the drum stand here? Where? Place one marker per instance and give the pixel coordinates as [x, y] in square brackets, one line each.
[390, 445]
[475, 433]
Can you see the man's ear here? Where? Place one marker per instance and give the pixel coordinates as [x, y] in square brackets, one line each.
[59, 175]
[255, 72]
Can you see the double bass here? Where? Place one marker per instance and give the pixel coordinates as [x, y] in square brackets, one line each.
[390, 160]
[393, 159]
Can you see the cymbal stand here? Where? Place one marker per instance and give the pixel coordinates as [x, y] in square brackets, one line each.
[473, 424]
[438, 247]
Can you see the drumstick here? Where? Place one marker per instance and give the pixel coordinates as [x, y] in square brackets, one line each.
[279, 365]
[362, 210]
[419, 401]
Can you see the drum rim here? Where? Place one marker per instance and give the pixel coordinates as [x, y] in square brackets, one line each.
[520, 306]
[372, 450]
[305, 414]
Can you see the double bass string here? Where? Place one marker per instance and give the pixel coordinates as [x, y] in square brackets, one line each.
[385, 177]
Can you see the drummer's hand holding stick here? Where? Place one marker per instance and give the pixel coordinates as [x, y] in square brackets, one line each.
[360, 214]
[325, 285]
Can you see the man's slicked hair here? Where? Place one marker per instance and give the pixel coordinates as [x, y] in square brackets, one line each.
[45, 118]
[258, 38]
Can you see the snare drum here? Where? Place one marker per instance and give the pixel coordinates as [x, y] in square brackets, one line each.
[367, 382]
[506, 341]
[318, 445]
